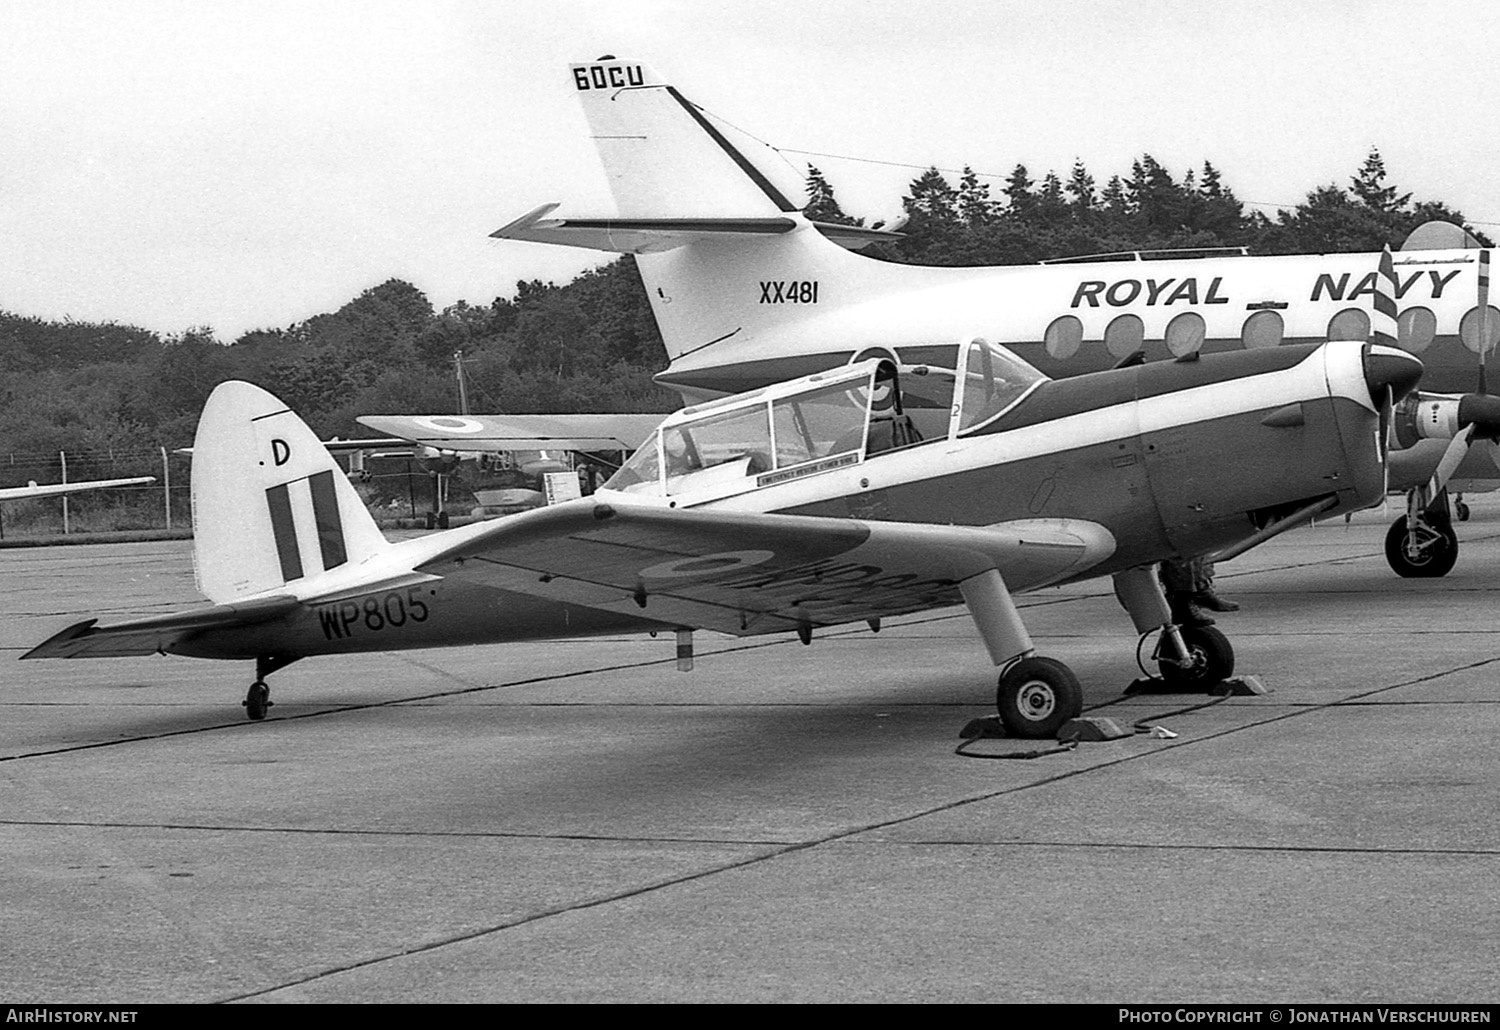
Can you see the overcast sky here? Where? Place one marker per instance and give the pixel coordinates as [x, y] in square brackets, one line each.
[248, 165]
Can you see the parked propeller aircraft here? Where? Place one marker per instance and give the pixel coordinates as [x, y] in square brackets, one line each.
[17, 493]
[747, 291]
[853, 494]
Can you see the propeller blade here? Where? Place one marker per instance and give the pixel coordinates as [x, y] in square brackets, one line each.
[1484, 314]
[1457, 450]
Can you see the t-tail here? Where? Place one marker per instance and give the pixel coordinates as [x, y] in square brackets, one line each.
[713, 215]
[272, 510]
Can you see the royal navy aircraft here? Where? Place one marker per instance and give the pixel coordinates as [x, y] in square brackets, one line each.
[854, 494]
[746, 291]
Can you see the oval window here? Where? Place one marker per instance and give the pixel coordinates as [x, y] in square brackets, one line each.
[1185, 333]
[1263, 329]
[1468, 329]
[1063, 338]
[1416, 328]
[1350, 324]
[1125, 335]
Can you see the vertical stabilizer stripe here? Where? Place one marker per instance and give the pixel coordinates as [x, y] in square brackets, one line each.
[285, 531]
[326, 517]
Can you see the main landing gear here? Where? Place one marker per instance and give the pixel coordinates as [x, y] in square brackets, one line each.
[258, 699]
[1421, 544]
[1037, 695]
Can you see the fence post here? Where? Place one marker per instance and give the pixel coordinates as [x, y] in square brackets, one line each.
[63, 455]
[166, 486]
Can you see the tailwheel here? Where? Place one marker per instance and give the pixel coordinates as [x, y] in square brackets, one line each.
[1036, 696]
[1210, 659]
[257, 700]
[1427, 551]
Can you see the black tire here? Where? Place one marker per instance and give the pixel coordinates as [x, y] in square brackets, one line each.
[1436, 553]
[1461, 510]
[1036, 696]
[257, 701]
[1213, 660]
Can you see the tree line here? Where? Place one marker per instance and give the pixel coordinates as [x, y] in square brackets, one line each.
[592, 344]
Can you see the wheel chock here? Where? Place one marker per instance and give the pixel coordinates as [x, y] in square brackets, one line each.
[1239, 686]
[1091, 728]
[989, 726]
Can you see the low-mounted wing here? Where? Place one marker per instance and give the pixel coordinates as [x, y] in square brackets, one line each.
[160, 634]
[750, 573]
[492, 433]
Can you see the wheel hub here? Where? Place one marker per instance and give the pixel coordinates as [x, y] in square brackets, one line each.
[1036, 700]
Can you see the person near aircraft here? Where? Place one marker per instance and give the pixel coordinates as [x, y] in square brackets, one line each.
[1189, 586]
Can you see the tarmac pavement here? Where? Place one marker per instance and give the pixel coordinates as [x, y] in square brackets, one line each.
[577, 821]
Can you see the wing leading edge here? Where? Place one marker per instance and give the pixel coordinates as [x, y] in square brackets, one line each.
[751, 573]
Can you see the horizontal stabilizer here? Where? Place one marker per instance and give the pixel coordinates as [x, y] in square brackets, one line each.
[494, 433]
[747, 573]
[159, 634]
[635, 235]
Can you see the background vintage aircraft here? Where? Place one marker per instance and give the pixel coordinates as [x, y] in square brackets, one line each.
[746, 291]
[16, 493]
[849, 495]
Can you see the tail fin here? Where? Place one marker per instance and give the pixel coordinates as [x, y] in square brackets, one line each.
[270, 504]
[714, 214]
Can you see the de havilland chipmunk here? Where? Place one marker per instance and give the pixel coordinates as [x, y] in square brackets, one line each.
[747, 291]
[855, 494]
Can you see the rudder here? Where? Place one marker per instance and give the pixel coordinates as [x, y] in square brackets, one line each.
[271, 507]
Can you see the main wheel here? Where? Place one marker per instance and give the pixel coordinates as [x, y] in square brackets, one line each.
[257, 700]
[1036, 696]
[1427, 552]
[1212, 660]
[1461, 509]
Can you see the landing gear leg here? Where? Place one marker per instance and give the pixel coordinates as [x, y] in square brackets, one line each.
[1188, 657]
[1421, 544]
[1035, 695]
[258, 699]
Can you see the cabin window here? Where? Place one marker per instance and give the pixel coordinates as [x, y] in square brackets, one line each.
[642, 473]
[1125, 335]
[994, 379]
[1063, 337]
[1185, 333]
[813, 425]
[740, 439]
[1349, 324]
[1468, 329]
[1416, 328]
[1263, 329]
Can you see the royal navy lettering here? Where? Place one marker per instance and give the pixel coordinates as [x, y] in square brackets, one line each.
[1158, 292]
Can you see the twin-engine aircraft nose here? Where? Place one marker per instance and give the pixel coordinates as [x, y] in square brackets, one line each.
[1387, 368]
